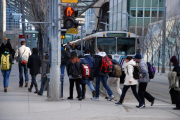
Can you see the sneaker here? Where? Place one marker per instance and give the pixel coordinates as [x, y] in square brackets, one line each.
[118, 104]
[20, 86]
[80, 98]
[110, 98]
[106, 97]
[95, 98]
[70, 98]
[138, 106]
[141, 106]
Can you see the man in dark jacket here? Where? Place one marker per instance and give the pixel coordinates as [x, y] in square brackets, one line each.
[91, 63]
[175, 95]
[101, 75]
[143, 81]
[34, 63]
[8, 45]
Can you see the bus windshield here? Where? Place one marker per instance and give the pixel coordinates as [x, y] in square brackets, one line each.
[108, 43]
[126, 46]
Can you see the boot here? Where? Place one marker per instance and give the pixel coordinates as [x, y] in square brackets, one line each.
[5, 89]
[26, 84]
[36, 90]
[93, 93]
[30, 88]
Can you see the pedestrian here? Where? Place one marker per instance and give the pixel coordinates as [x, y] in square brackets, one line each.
[144, 79]
[23, 51]
[175, 95]
[91, 63]
[100, 75]
[84, 80]
[130, 82]
[68, 48]
[34, 64]
[113, 79]
[74, 71]
[2, 47]
[8, 45]
[45, 71]
[6, 65]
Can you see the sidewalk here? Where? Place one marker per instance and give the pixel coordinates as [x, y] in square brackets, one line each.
[19, 104]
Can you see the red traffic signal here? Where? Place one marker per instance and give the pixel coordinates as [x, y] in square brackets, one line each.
[69, 11]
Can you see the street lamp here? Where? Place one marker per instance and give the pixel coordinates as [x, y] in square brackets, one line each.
[105, 23]
[127, 26]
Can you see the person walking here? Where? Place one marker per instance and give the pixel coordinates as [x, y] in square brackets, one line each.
[23, 51]
[74, 71]
[45, 71]
[91, 63]
[113, 79]
[143, 81]
[6, 65]
[68, 48]
[100, 75]
[34, 64]
[84, 80]
[8, 45]
[130, 82]
[2, 48]
[175, 95]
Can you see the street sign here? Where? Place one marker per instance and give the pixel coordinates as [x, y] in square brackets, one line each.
[70, 1]
[72, 31]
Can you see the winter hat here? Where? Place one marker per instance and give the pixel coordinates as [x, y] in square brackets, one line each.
[138, 56]
[174, 59]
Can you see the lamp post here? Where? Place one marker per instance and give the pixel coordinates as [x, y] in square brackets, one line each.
[127, 22]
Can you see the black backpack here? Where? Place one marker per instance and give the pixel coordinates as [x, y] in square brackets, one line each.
[136, 72]
[75, 69]
[64, 57]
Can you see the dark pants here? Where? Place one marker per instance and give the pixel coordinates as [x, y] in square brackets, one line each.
[83, 89]
[175, 97]
[21, 67]
[77, 81]
[133, 87]
[33, 81]
[143, 94]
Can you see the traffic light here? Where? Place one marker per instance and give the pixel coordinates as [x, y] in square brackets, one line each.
[69, 18]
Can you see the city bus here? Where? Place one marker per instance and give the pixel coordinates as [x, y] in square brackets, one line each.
[119, 44]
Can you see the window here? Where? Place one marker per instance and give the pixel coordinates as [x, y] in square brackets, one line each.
[154, 12]
[147, 12]
[140, 12]
[126, 46]
[133, 12]
[109, 44]
[160, 12]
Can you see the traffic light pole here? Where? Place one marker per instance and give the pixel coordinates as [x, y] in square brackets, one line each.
[55, 42]
[82, 40]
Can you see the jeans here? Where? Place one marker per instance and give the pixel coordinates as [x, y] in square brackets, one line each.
[33, 82]
[116, 82]
[21, 67]
[6, 74]
[43, 81]
[133, 87]
[104, 79]
[91, 87]
[62, 69]
[143, 94]
[77, 81]
[62, 78]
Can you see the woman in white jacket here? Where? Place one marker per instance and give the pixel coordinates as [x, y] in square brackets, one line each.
[130, 81]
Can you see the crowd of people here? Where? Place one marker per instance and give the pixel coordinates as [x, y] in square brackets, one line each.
[82, 70]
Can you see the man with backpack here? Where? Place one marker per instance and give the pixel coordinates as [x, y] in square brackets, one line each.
[22, 55]
[91, 63]
[114, 76]
[143, 80]
[102, 66]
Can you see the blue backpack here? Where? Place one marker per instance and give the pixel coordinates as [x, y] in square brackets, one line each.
[151, 70]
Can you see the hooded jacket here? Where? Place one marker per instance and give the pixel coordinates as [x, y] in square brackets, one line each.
[114, 62]
[89, 60]
[97, 65]
[128, 70]
[84, 80]
[144, 71]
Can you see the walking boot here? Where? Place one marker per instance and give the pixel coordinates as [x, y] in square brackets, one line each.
[26, 84]
[5, 89]
[93, 93]
[29, 89]
[36, 90]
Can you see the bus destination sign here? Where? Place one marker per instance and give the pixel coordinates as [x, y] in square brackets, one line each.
[116, 34]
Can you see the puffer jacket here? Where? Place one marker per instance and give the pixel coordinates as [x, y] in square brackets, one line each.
[144, 71]
[114, 62]
[98, 61]
[84, 80]
[128, 70]
[90, 60]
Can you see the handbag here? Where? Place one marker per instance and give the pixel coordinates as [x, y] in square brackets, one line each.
[23, 58]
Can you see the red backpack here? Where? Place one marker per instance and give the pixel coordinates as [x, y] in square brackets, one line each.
[106, 65]
[86, 70]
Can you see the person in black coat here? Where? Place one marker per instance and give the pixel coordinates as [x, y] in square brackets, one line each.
[8, 45]
[34, 63]
[175, 95]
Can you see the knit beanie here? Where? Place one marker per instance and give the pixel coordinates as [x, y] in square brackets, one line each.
[174, 59]
[138, 56]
